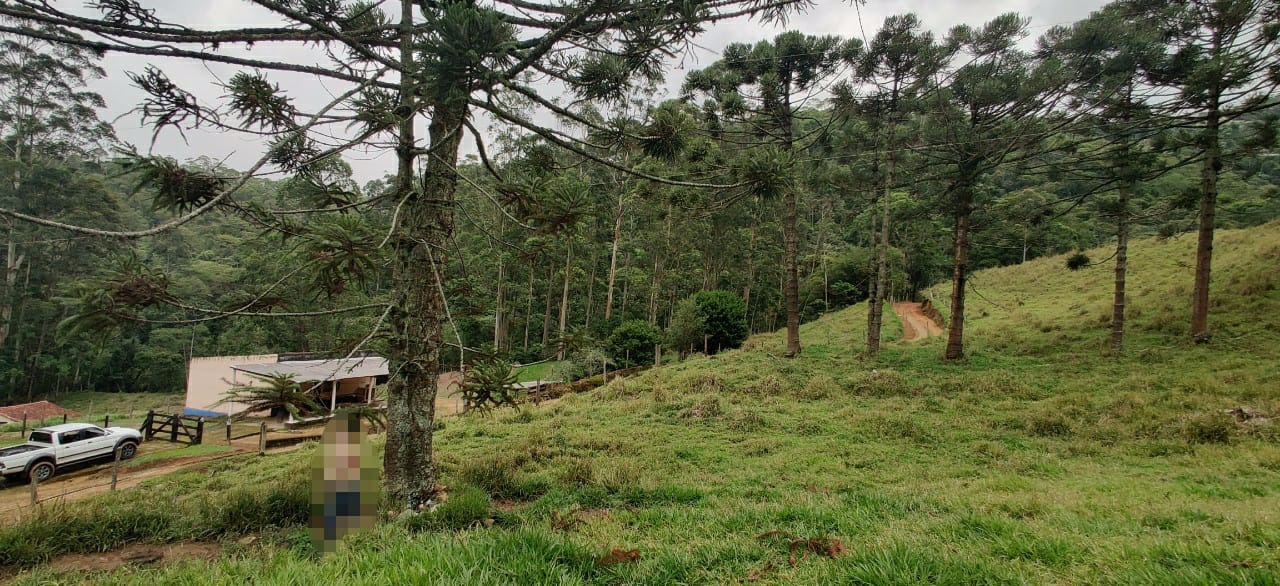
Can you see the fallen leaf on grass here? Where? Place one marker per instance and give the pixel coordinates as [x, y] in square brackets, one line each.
[823, 546]
[619, 556]
[759, 573]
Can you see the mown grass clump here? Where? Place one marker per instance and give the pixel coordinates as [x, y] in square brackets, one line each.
[467, 506]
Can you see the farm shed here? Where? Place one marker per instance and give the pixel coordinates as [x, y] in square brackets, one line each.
[334, 382]
[38, 411]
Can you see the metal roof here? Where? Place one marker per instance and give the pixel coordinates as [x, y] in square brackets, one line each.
[306, 371]
[534, 384]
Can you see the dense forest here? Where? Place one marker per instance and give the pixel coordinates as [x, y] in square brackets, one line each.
[853, 163]
[787, 178]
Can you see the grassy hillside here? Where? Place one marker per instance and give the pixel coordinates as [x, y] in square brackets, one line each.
[1036, 460]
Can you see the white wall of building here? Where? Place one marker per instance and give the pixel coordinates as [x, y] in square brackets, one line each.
[209, 379]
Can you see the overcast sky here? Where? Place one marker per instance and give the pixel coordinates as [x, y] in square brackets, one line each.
[836, 17]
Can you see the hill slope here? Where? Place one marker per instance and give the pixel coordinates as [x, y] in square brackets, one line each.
[1038, 459]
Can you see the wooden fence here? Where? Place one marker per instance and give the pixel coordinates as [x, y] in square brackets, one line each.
[174, 428]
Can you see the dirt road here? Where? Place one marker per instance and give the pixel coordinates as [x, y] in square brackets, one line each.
[15, 498]
[915, 325]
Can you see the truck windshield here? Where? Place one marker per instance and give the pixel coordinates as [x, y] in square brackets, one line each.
[41, 437]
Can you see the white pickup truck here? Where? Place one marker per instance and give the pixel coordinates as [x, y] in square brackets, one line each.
[50, 448]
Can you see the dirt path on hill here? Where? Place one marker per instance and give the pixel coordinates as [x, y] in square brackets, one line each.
[915, 325]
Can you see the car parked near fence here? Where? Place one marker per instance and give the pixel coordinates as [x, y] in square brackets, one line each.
[50, 448]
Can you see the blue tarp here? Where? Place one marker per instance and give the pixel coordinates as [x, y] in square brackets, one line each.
[202, 413]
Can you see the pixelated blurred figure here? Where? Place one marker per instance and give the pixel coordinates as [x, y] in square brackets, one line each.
[344, 483]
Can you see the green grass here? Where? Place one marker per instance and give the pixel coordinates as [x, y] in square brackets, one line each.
[540, 371]
[150, 454]
[1037, 459]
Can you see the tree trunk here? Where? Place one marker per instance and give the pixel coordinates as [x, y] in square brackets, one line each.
[626, 286]
[564, 297]
[499, 324]
[790, 234]
[13, 265]
[1208, 214]
[17, 339]
[613, 258]
[591, 286]
[960, 266]
[658, 262]
[1122, 266]
[790, 257]
[546, 313]
[417, 311]
[882, 260]
[751, 273]
[13, 260]
[528, 306]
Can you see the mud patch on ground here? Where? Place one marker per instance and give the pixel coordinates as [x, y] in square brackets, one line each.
[137, 554]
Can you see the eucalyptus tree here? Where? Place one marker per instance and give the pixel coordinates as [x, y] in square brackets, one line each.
[900, 65]
[765, 86]
[1224, 59]
[440, 63]
[989, 113]
[47, 117]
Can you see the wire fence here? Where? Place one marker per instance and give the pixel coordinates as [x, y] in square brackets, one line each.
[36, 503]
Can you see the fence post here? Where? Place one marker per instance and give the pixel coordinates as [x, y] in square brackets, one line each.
[262, 438]
[199, 431]
[64, 417]
[657, 354]
[115, 470]
[173, 437]
[24, 423]
[35, 496]
[146, 425]
[228, 431]
[106, 421]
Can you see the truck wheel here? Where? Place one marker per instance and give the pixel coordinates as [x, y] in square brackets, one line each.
[41, 471]
[127, 450]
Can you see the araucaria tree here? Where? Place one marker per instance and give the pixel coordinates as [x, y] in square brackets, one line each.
[1224, 63]
[400, 64]
[990, 113]
[899, 66]
[765, 86]
[1110, 55]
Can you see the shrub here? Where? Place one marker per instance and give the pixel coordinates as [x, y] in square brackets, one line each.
[686, 328]
[582, 363]
[714, 320]
[631, 344]
[725, 319]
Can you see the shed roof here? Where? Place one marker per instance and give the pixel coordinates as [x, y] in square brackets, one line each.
[305, 371]
[35, 411]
